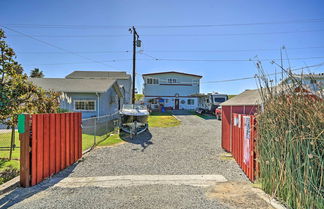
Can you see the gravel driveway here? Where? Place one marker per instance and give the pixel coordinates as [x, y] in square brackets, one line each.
[190, 149]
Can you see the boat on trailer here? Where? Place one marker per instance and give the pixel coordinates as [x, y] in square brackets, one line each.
[134, 118]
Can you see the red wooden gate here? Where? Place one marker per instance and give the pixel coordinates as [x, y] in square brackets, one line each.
[50, 143]
[243, 143]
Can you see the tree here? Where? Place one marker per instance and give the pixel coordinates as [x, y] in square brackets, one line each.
[17, 94]
[37, 73]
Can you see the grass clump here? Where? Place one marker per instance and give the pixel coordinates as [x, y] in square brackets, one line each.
[290, 146]
[162, 120]
[111, 140]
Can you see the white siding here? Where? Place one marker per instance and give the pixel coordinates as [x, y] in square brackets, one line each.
[185, 85]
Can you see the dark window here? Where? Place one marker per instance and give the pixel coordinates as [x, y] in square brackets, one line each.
[191, 101]
[220, 99]
[152, 81]
[172, 80]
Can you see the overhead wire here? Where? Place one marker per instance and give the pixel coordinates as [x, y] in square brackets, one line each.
[313, 20]
[174, 51]
[54, 46]
[175, 35]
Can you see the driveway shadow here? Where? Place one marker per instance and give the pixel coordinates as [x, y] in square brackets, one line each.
[19, 194]
[143, 139]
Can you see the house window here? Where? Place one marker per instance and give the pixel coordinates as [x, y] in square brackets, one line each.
[195, 82]
[85, 105]
[152, 81]
[166, 101]
[191, 101]
[172, 80]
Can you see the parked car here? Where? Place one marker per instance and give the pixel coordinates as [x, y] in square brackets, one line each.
[218, 113]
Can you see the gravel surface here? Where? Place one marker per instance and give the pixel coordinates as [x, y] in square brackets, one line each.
[189, 149]
[194, 147]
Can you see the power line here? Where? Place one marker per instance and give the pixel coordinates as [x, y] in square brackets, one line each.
[232, 50]
[54, 46]
[256, 76]
[79, 52]
[238, 24]
[314, 20]
[174, 51]
[180, 60]
[75, 63]
[176, 35]
[229, 60]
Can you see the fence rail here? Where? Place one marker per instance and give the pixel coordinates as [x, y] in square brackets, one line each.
[97, 129]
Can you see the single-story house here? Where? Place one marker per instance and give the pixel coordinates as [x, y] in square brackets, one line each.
[92, 97]
[123, 80]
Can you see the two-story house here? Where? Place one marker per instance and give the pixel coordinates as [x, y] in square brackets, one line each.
[172, 89]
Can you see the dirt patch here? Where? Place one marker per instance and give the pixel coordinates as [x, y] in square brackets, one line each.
[238, 195]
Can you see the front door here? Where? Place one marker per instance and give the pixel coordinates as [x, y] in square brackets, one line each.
[176, 104]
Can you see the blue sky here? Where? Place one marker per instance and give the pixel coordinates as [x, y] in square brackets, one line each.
[91, 40]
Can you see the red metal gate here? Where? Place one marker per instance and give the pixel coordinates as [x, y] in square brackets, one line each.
[50, 143]
[243, 143]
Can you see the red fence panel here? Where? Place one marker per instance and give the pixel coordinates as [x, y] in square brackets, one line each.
[52, 142]
[243, 143]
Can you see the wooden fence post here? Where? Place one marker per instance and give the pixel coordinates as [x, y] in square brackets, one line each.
[25, 154]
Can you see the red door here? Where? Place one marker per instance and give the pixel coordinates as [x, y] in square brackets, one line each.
[176, 104]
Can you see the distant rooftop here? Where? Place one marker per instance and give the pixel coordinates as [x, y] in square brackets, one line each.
[319, 75]
[98, 75]
[248, 97]
[168, 72]
[73, 85]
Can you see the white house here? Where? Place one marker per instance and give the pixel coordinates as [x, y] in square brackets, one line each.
[314, 82]
[173, 90]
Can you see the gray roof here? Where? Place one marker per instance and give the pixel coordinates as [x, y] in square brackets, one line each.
[248, 97]
[74, 85]
[99, 74]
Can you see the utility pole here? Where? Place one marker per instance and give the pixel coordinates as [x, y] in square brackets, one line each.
[136, 43]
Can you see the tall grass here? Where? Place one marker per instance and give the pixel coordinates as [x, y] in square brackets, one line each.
[291, 146]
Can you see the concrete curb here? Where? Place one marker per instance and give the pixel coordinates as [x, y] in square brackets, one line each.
[15, 182]
[10, 185]
[273, 202]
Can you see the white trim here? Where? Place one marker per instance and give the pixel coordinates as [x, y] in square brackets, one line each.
[98, 98]
[85, 100]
